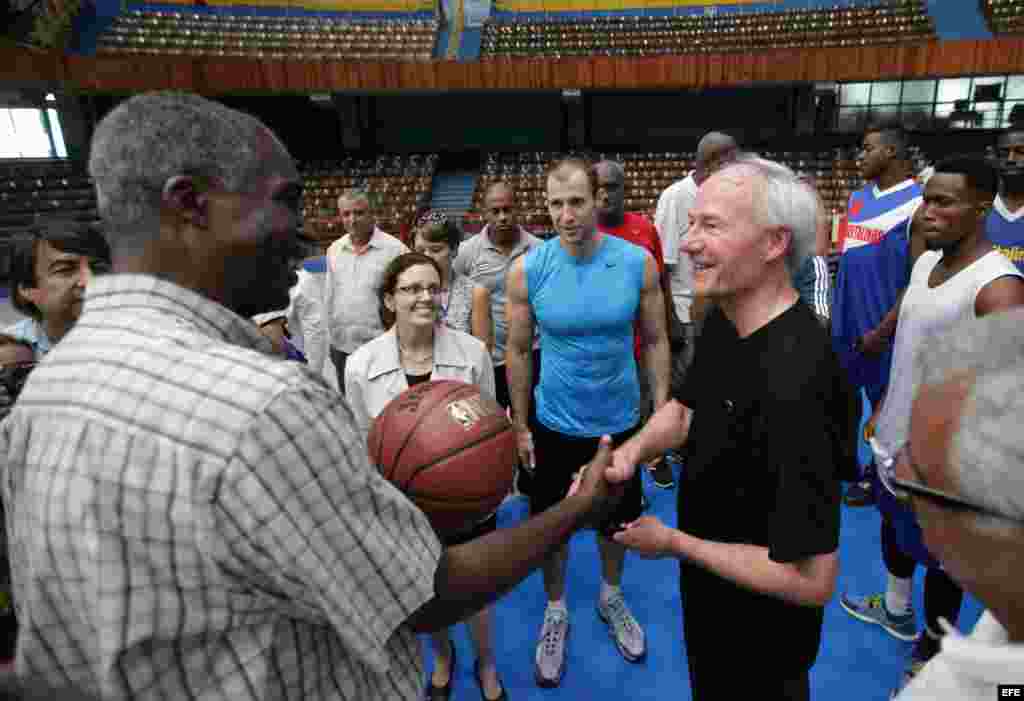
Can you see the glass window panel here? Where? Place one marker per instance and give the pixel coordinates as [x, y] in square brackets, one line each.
[57, 133]
[991, 80]
[1014, 87]
[991, 120]
[1007, 109]
[919, 91]
[23, 134]
[943, 109]
[885, 93]
[854, 94]
[954, 89]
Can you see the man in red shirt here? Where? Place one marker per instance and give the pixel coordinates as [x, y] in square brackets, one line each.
[612, 218]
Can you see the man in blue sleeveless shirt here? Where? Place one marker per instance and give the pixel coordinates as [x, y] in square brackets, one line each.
[1005, 224]
[582, 291]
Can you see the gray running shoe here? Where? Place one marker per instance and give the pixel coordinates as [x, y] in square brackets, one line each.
[871, 609]
[550, 658]
[628, 635]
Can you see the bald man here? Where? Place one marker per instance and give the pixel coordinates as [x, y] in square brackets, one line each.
[671, 218]
[486, 258]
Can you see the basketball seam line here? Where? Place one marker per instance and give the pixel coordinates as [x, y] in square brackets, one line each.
[449, 454]
[408, 436]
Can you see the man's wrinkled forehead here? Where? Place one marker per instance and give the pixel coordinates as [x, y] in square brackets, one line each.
[499, 193]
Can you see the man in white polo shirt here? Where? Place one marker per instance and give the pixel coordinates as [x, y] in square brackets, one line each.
[354, 266]
[671, 218]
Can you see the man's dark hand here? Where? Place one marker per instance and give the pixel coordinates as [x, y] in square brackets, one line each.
[592, 485]
[872, 343]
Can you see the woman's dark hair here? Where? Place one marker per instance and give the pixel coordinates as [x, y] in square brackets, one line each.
[442, 231]
[67, 236]
[389, 281]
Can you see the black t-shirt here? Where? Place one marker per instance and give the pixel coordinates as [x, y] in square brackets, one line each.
[767, 442]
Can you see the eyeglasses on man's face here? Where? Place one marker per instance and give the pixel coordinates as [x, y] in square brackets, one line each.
[904, 491]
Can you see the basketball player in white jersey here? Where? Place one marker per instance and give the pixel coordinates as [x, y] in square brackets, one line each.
[958, 278]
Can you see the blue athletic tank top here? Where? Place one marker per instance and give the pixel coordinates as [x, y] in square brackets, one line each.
[1006, 232]
[584, 312]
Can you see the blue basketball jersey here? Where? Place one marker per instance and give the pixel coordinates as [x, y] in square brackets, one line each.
[873, 270]
[1006, 232]
[872, 213]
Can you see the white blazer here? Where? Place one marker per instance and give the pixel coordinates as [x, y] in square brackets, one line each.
[374, 374]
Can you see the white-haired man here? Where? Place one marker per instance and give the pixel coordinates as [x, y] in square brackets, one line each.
[759, 499]
[961, 472]
[190, 515]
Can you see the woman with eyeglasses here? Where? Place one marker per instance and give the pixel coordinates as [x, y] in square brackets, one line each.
[416, 348]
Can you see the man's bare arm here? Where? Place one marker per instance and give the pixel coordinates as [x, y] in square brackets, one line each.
[519, 345]
[654, 334]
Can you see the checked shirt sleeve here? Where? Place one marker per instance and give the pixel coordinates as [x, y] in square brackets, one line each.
[302, 514]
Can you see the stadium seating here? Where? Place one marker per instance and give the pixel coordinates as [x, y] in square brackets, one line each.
[834, 173]
[1004, 16]
[399, 184]
[301, 37]
[29, 189]
[881, 22]
[44, 188]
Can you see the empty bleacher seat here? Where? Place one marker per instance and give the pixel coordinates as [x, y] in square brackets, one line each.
[299, 37]
[881, 22]
[399, 184]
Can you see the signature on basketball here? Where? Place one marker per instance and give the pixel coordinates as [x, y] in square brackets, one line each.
[467, 412]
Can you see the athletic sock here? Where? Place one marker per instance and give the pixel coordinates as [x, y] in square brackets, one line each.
[608, 591]
[897, 595]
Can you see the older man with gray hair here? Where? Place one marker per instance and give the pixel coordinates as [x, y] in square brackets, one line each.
[355, 263]
[190, 516]
[758, 501]
[962, 472]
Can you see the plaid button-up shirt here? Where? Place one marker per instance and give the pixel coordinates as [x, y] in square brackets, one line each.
[193, 518]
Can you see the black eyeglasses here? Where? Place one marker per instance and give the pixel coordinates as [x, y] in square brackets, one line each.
[902, 490]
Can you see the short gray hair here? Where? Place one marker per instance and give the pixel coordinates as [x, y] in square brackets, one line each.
[150, 138]
[784, 200]
[986, 453]
[356, 194]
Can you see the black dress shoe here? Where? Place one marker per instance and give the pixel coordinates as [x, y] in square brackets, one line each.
[480, 685]
[443, 693]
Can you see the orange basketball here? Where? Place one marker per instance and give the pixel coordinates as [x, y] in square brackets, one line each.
[451, 450]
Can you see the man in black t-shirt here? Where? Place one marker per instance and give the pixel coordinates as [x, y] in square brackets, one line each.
[758, 526]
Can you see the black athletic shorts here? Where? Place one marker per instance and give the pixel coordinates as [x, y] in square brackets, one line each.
[559, 456]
